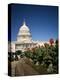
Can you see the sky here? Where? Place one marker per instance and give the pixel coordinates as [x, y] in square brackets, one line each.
[41, 20]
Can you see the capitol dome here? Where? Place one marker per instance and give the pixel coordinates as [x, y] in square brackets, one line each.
[24, 33]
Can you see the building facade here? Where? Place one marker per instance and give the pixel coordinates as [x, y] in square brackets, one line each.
[24, 40]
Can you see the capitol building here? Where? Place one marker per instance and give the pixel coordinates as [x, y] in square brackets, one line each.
[24, 40]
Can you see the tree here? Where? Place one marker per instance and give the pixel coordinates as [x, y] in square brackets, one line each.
[55, 59]
[19, 52]
[28, 54]
[53, 52]
[51, 41]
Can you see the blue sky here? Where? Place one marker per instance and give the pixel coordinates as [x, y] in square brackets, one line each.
[41, 20]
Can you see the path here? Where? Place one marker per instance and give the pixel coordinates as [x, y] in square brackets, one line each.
[21, 68]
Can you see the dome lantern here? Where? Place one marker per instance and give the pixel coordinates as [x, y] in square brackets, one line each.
[24, 27]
